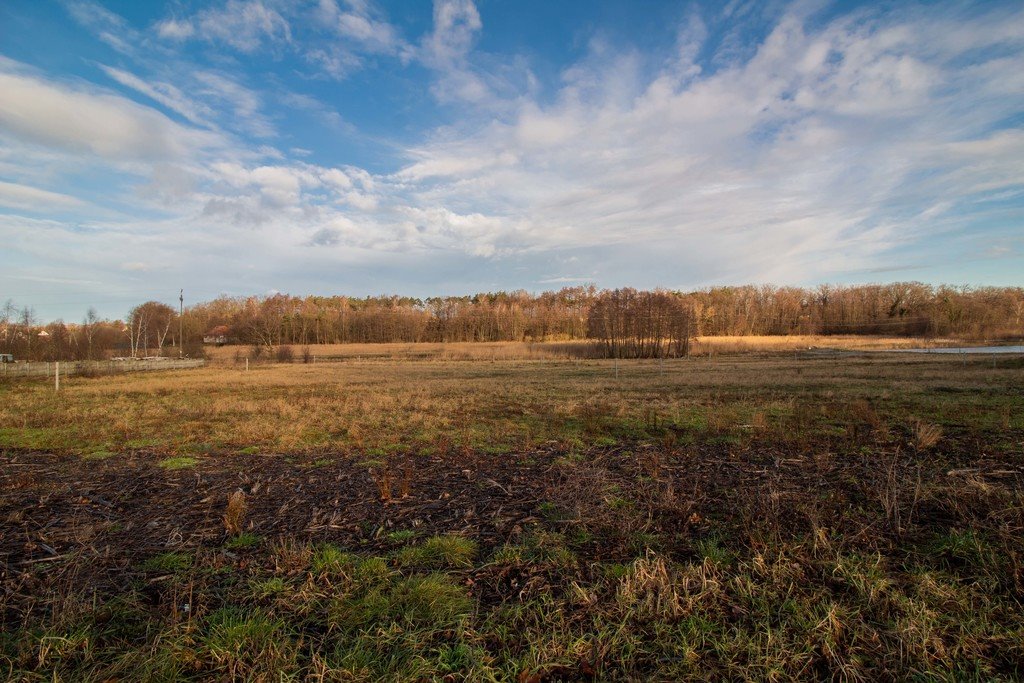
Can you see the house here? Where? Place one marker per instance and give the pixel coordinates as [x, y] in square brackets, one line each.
[218, 335]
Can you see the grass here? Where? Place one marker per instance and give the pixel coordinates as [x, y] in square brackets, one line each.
[178, 463]
[800, 608]
[169, 562]
[375, 406]
[100, 454]
[729, 518]
[438, 552]
[243, 541]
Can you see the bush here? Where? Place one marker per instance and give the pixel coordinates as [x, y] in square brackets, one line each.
[194, 349]
[285, 354]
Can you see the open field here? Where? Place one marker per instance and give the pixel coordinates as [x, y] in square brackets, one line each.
[554, 350]
[773, 516]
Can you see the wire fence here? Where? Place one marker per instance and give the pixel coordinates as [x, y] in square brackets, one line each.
[89, 368]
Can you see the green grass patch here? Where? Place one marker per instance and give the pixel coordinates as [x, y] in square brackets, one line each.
[172, 563]
[246, 644]
[180, 462]
[400, 537]
[329, 559]
[98, 455]
[438, 552]
[243, 541]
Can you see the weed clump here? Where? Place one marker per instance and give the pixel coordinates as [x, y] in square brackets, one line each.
[328, 559]
[234, 515]
[438, 552]
[926, 435]
[178, 463]
[247, 644]
[169, 562]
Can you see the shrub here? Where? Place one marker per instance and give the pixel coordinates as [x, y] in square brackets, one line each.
[234, 516]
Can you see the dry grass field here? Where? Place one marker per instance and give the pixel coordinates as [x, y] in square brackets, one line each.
[500, 512]
[581, 349]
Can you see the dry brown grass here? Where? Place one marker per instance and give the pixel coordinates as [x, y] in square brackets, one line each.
[476, 351]
[649, 589]
[926, 435]
[753, 344]
[757, 542]
[428, 404]
[561, 350]
[234, 515]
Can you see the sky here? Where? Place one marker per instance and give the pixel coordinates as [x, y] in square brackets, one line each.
[366, 147]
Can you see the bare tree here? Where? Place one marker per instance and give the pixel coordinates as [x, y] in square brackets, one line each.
[89, 324]
[148, 325]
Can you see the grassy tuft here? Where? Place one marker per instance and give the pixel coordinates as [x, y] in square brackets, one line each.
[438, 552]
[169, 562]
[178, 463]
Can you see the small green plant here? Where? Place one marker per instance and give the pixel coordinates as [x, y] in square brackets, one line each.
[711, 549]
[372, 570]
[541, 548]
[98, 455]
[268, 588]
[330, 559]
[243, 541]
[249, 450]
[552, 512]
[439, 552]
[417, 602]
[248, 645]
[401, 537]
[169, 563]
[178, 463]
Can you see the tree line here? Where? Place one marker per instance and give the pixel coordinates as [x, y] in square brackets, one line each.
[624, 322]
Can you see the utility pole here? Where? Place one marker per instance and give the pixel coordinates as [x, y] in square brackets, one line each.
[181, 310]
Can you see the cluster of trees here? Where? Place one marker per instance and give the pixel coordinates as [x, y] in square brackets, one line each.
[499, 316]
[148, 329]
[625, 322]
[898, 309]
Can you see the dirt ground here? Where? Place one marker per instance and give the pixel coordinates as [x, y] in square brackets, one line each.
[116, 512]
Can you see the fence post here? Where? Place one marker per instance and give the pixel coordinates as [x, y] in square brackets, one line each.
[56, 375]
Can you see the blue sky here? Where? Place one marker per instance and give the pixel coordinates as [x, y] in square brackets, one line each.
[366, 147]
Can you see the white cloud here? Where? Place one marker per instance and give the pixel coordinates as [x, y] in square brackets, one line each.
[86, 120]
[175, 29]
[241, 24]
[456, 25]
[823, 149]
[808, 158]
[447, 50]
[358, 22]
[246, 104]
[164, 93]
[109, 27]
[28, 198]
